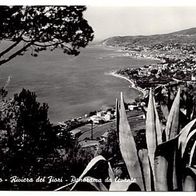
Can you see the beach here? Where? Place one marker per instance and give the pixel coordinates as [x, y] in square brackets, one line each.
[133, 85]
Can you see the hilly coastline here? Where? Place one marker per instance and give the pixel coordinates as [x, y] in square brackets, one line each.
[187, 36]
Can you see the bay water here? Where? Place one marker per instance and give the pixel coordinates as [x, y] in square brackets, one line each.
[72, 86]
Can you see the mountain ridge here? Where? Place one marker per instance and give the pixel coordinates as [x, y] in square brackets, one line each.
[179, 37]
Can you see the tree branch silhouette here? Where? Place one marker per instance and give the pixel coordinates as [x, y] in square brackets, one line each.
[43, 27]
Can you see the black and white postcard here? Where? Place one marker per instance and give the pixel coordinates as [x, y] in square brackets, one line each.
[97, 98]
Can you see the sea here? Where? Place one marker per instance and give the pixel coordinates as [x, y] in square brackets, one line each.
[72, 85]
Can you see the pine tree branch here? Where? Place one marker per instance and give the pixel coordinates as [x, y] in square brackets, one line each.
[19, 39]
[46, 45]
[10, 47]
[15, 54]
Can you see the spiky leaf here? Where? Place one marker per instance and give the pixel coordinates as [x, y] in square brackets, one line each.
[117, 116]
[62, 188]
[189, 183]
[185, 143]
[164, 162]
[128, 147]
[161, 167]
[111, 172]
[90, 165]
[193, 151]
[172, 124]
[165, 111]
[143, 156]
[184, 133]
[153, 129]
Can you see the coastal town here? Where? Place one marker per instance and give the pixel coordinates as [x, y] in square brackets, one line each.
[92, 129]
[175, 65]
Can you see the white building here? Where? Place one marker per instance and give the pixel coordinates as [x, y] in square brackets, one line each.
[96, 119]
[75, 132]
[108, 117]
[100, 114]
[132, 107]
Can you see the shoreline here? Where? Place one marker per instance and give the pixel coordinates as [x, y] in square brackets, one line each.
[133, 85]
[129, 53]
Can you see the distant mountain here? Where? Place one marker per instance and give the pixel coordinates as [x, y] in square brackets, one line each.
[187, 36]
[191, 31]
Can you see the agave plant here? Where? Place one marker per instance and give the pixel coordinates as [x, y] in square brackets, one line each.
[166, 165]
[168, 155]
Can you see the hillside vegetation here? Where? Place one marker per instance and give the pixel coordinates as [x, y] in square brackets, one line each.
[187, 36]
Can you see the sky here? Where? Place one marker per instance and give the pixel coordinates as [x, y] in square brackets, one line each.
[129, 17]
[110, 21]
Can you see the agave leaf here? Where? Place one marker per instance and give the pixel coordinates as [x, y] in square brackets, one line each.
[184, 133]
[153, 129]
[189, 182]
[128, 147]
[161, 167]
[111, 172]
[117, 116]
[143, 156]
[193, 112]
[124, 186]
[165, 111]
[158, 126]
[173, 118]
[184, 144]
[62, 188]
[174, 171]
[90, 165]
[99, 186]
[193, 150]
[164, 162]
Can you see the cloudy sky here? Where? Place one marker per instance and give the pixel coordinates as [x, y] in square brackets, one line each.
[120, 20]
